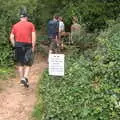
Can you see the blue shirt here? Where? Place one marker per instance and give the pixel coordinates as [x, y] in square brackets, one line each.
[53, 28]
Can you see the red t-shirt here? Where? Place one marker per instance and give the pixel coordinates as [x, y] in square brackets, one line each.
[23, 31]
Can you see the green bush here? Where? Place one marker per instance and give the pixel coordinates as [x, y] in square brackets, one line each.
[6, 53]
[93, 13]
[90, 89]
[84, 40]
[6, 73]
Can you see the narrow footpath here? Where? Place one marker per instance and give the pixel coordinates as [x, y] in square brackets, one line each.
[17, 102]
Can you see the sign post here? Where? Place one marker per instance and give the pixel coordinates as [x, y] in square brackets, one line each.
[56, 64]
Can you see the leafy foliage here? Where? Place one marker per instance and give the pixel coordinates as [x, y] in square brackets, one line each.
[94, 13]
[6, 73]
[90, 88]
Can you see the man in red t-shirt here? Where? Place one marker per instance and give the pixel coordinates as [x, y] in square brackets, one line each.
[23, 38]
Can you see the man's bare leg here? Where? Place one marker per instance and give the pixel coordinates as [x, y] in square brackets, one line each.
[21, 71]
[26, 71]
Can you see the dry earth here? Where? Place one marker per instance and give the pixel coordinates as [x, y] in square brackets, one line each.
[17, 102]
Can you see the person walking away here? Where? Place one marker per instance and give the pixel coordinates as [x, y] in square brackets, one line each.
[61, 30]
[53, 34]
[75, 29]
[23, 38]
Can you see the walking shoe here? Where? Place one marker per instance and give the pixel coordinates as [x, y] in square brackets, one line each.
[27, 84]
[24, 81]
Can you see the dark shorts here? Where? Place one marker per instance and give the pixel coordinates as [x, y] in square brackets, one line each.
[24, 54]
[52, 36]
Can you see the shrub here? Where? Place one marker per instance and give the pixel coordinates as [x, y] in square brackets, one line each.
[90, 88]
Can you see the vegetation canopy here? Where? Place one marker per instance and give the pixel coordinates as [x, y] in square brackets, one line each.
[90, 89]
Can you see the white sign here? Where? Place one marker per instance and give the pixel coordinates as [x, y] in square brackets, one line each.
[56, 64]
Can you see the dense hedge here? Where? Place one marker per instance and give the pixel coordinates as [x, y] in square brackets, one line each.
[90, 89]
[94, 13]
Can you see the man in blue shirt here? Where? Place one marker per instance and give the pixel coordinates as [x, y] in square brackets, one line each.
[53, 31]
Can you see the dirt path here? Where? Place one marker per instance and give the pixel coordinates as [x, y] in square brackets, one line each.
[17, 102]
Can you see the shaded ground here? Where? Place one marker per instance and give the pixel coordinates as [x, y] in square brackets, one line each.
[17, 102]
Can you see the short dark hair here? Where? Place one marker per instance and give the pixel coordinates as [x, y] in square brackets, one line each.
[56, 17]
